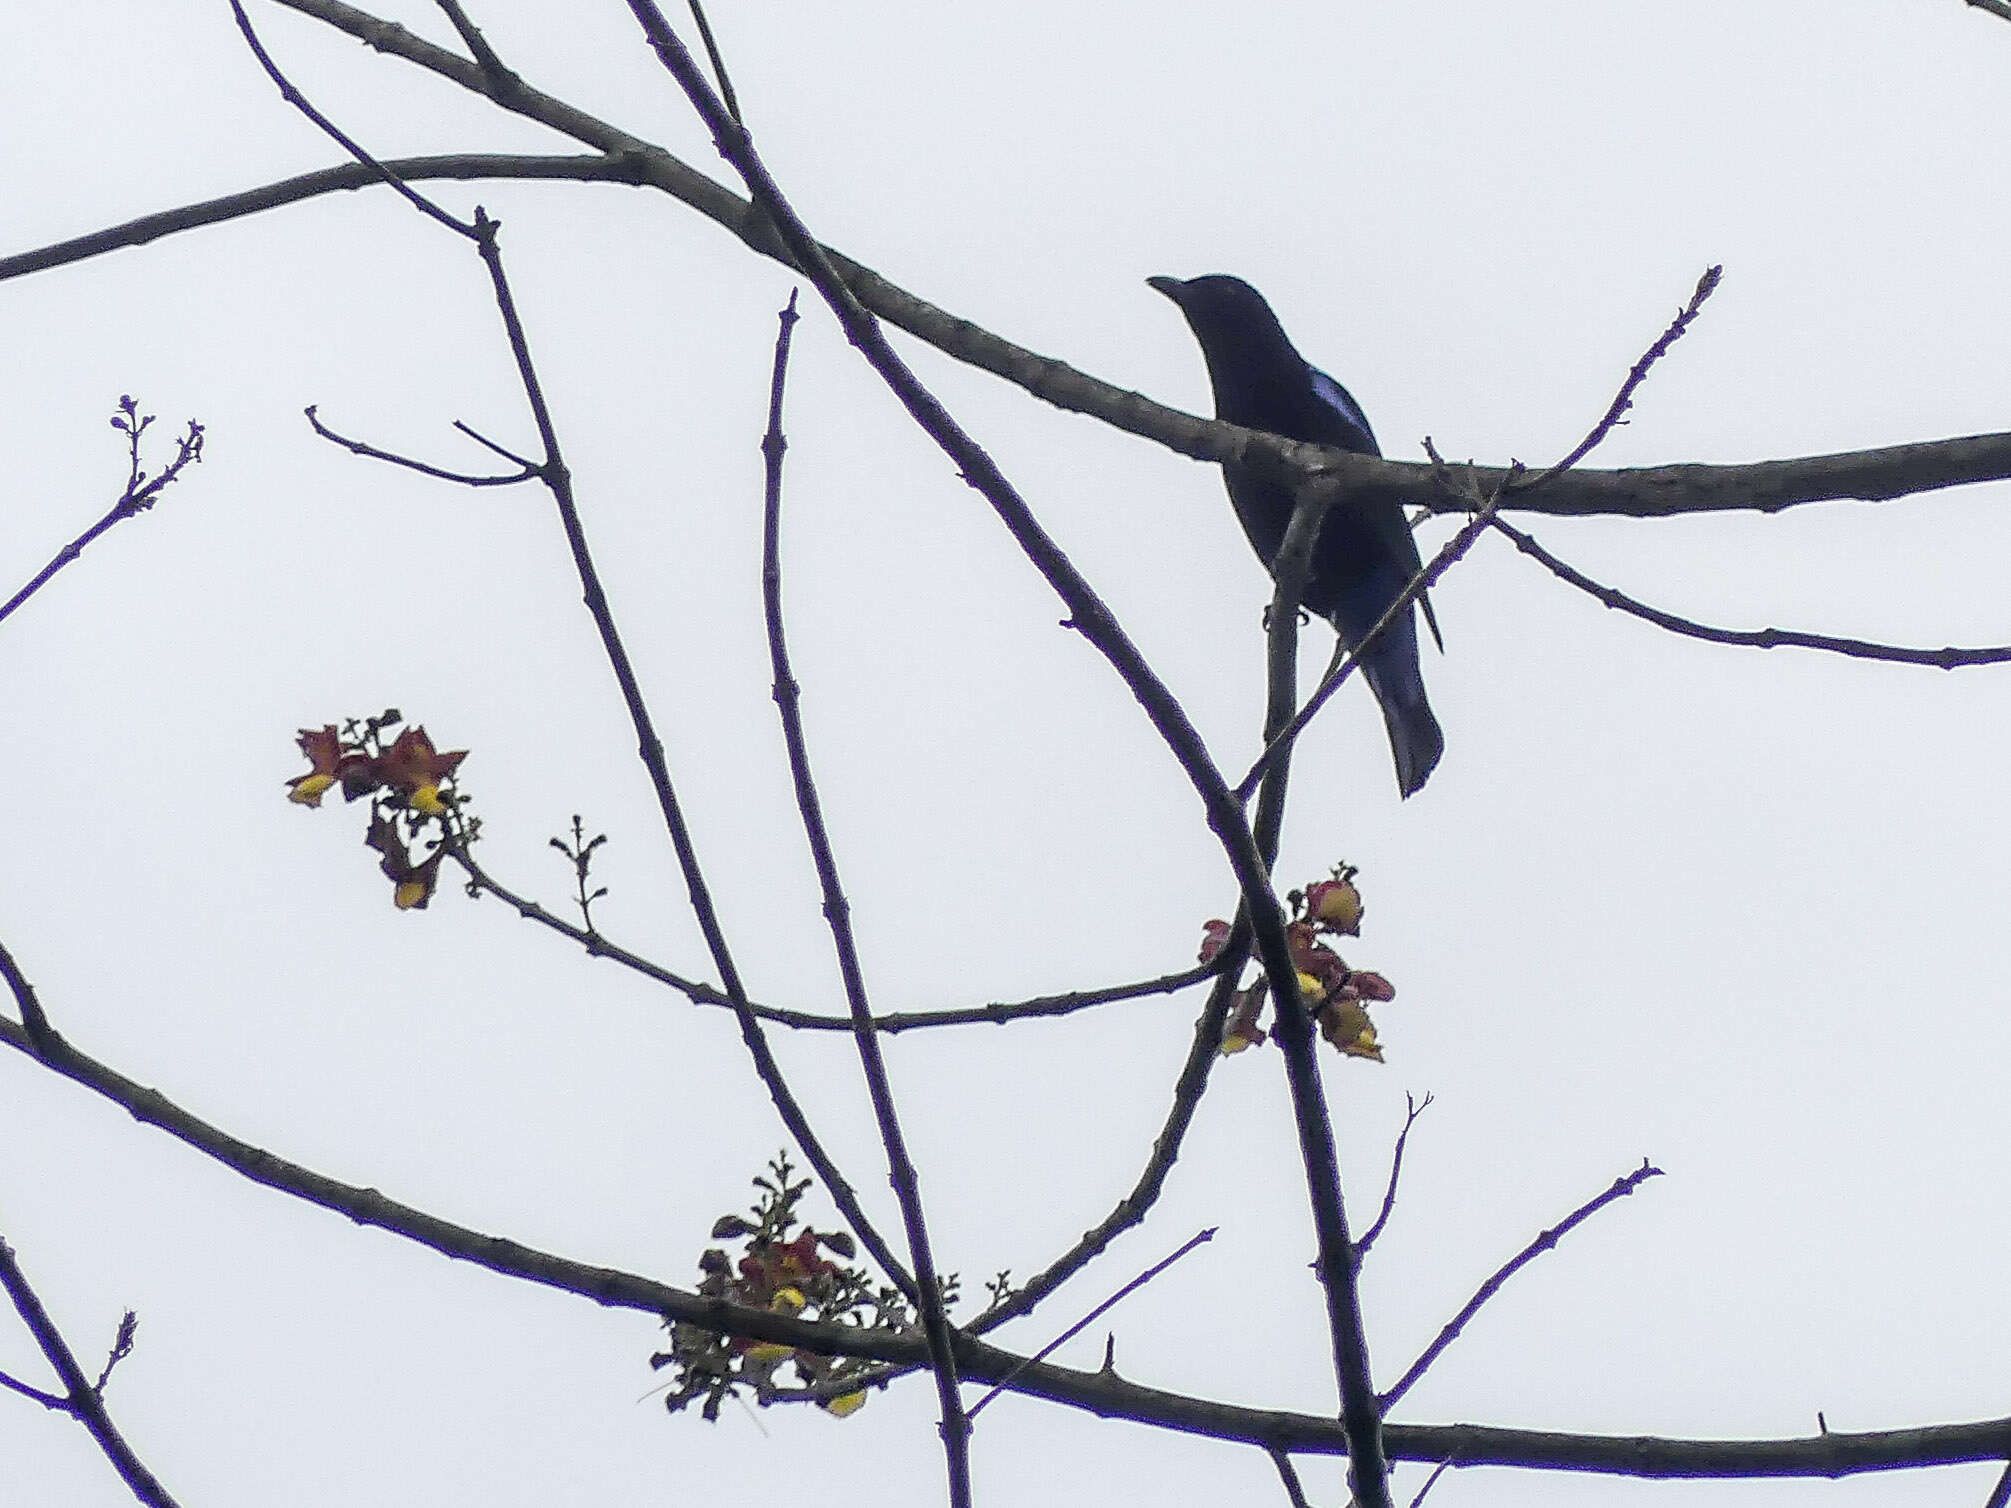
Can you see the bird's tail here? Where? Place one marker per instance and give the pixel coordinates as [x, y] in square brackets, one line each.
[1415, 738]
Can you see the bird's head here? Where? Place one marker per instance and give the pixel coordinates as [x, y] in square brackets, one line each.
[1237, 330]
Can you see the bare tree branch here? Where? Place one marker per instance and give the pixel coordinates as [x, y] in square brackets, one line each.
[557, 477]
[80, 1400]
[1412, 1110]
[997, 1014]
[1288, 1478]
[1545, 1241]
[1101, 1392]
[1091, 617]
[141, 493]
[464, 167]
[1198, 1239]
[955, 1427]
[1947, 658]
[1430, 1482]
[1768, 486]
[33, 1021]
[1624, 399]
[1484, 505]
[1131, 1210]
[527, 472]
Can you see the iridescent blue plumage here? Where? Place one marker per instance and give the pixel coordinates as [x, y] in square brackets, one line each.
[1365, 554]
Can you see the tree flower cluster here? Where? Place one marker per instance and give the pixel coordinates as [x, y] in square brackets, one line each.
[1335, 995]
[412, 796]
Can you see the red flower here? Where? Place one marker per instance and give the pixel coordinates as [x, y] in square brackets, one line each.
[1335, 906]
[412, 884]
[414, 768]
[1214, 937]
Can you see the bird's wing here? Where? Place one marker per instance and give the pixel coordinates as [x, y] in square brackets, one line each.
[1341, 404]
[1337, 398]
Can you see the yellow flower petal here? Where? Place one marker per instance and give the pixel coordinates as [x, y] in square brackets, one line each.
[309, 789]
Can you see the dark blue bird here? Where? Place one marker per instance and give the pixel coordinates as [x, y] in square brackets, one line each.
[1365, 554]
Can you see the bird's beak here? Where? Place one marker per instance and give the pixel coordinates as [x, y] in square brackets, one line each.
[1171, 287]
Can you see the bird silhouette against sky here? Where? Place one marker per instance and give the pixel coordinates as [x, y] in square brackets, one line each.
[1365, 555]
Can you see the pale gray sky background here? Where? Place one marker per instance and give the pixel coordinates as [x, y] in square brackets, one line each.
[1738, 912]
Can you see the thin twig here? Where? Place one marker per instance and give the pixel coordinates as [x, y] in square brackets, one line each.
[1869, 475]
[501, 79]
[122, 1347]
[1545, 1241]
[552, 470]
[893, 1022]
[1199, 1238]
[528, 473]
[1412, 1110]
[1430, 1482]
[82, 1402]
[718, 63]
[301, 103]
[141, 493]
[558, 479]
[1948, 658]
[1340, 667]
[1288, 1476]
[1090, 616]
[2000, 1495]
[1485, 502]
[1624, 399]
[34, 1394]
[1130, 1211]
[33, 1020]
[955, 1427]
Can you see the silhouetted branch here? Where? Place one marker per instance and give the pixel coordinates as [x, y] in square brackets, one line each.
[1288, 1477]
[1949, 658]
[1484, 502]
[80, 1400]
[556, 476]
[348, 176]
[1412, 1110]
[1131, 1210]
[1101, 1392]
[527, 473]
[335, 133]
[1622, 1187]
[33, 1021]
[1767, 486]
[1624, 399]
[1430, 1482]
[1344, 661]
[955, 1427]
[996, 1014]
[1094, 620]
[718, 63]
[501, 79]
[140, 494]
[1198, 1239]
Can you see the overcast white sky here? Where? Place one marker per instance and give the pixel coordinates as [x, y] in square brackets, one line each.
[1738, 912]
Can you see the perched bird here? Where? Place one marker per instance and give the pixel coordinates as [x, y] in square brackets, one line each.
[1365, 554]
